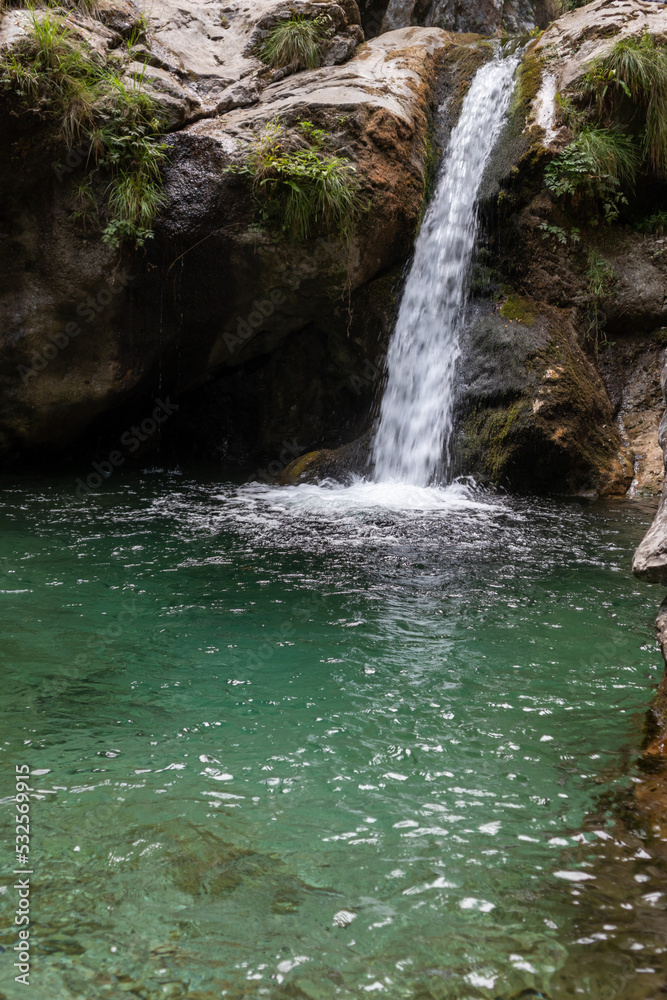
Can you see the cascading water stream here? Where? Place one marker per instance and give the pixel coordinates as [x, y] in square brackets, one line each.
[412, 441]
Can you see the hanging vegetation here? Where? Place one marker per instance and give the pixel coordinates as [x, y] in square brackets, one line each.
[87, 99]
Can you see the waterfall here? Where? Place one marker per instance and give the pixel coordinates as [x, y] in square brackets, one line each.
[413, 436]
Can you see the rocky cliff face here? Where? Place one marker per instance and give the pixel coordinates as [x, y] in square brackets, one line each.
[268, 342]
[604, 282]
[87, 331]
[489, 17]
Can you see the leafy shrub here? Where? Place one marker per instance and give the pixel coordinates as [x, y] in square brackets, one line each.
[595, 166]
[296, 42]
[88, 99]
[302, 189]
[131, 154]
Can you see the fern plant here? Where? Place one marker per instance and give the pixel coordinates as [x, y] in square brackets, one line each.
[595, 167]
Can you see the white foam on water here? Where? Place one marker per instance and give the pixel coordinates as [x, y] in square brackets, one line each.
[363, 496]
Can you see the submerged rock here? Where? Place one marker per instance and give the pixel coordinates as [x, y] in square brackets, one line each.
[342, 465]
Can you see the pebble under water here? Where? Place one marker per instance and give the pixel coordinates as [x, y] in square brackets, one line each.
[327, 743]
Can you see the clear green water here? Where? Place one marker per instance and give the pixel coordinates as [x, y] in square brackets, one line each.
[323, 743]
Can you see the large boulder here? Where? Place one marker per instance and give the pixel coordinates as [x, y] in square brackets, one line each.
[533, 410]
[84, 333]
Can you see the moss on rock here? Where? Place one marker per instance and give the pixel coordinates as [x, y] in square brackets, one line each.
[516, 308]
[494, 432]
[534, 411]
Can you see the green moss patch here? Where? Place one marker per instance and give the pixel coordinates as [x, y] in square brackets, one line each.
[517, 309]
[492, 432]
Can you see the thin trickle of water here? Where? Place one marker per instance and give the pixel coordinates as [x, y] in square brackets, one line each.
[412, 441]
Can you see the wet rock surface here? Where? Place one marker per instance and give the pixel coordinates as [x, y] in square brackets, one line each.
[533, 410]
[265, 342]
[630, 367]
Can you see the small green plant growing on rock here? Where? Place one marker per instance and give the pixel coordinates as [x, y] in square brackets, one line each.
[618, 116]
[595, 167]
[130, 153]
[87, 99]
[305, 188]
[50, 73]
[637, 69]
[85, 210]
[655, 223]
[562, 236]
[600, 279]
[296, 42]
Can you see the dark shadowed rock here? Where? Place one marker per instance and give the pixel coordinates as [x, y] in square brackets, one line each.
[533, 410]
[214, 291]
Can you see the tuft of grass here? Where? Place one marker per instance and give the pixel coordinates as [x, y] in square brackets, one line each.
[54, 76]
[302, 189]
[636, 68]
[296, 42]
[85, 210]
[87, 99]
